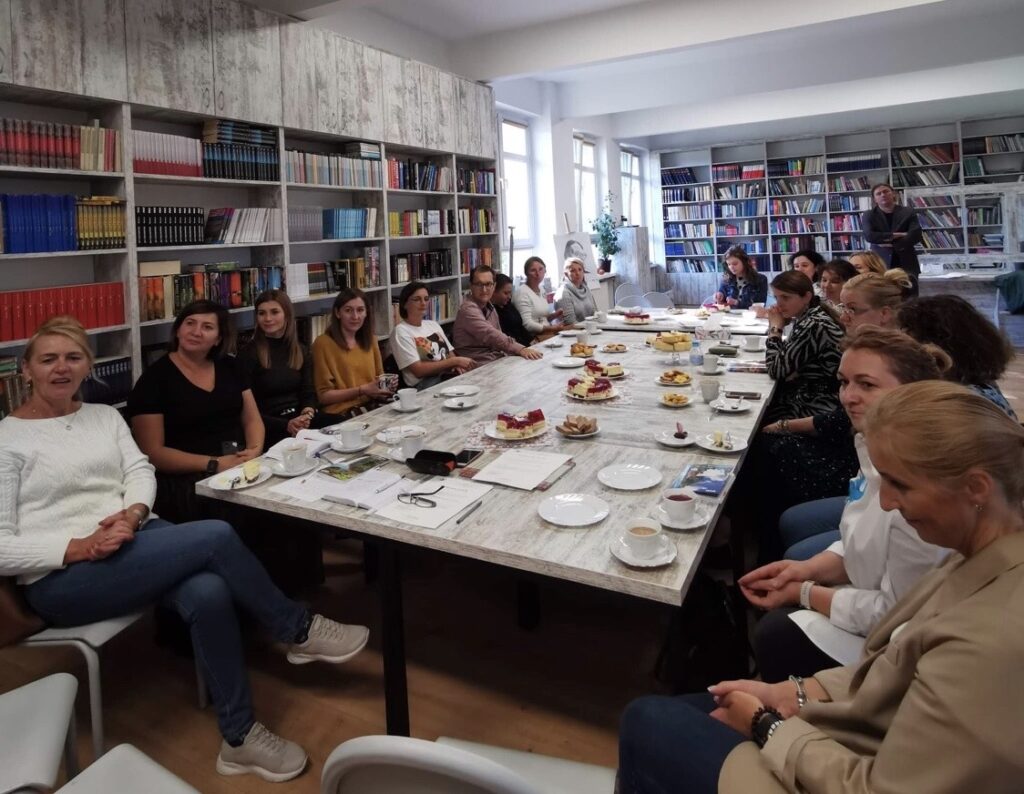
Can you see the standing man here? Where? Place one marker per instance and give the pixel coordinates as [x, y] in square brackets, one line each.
[477, 333]
[892, 231]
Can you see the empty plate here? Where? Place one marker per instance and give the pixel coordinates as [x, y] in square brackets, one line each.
[395, 434]
[460, 403]
[459, 391]
[573, 509]
[567, 363]
[629, 476]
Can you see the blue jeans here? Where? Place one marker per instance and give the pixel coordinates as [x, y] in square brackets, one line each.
[670, 745]
[811, 527]
[201, 570]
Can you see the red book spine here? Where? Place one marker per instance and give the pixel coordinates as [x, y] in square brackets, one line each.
[4, 145]
[41, 306]
[71, 302]
[92, 306]
[33, 143]
[68, 144]
[116, 302]
[18, 315]
[102, 313]
[62, 300]
[76, 147]
[6, 318]
[51, 145]
[31, 323]
[21, 135]
[51, 304]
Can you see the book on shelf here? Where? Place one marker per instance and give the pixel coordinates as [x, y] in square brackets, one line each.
[696, 212]
[795, 187]
[742, 228]
[985, 216]
[415, 175]
[741, 209]
[163, 295]
[234, 225]
[941, 238]
[179, 155]
[438, 309]
[798, 166]
[939, 154]
[419, 265]
[411, 223]
[315, 168]
[239, 132]
[678, 175]
[690, 247]
[476, 180]
[847, 222]
[750, 246]
[848, 242]
[13, 389]
[684, 265]
[796, 225]
[98, 305]
[349, 222]
[362, 150]
[850, 203]
[995, 144]
[989, 243]
[166, 226]
[686, 194]
[933, 201]
[928, 177]
[793, 207]
[935, 216]
[470, 258]
[476, 220]
[688, 230]
[109, 382]
[790, 245]
[41, 223]
[308, 279]
[740, 191]
[47, 144]
[311, 326]
[859, 161]
[737, 171]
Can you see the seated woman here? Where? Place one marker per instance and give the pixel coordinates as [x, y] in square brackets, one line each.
[834, 275]
[192, 412]
[871, 560]
[346, 359]
[509, 318]
[420, 347]
[742, 285]
[907, 717]
[804, 364]
[279, 369]
[980, 351]
[532, 302]
[77, 531]
[868, 262]
[810, 264]
[576, 302]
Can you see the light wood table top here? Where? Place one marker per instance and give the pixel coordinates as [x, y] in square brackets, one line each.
[687, 320]
[507, 529]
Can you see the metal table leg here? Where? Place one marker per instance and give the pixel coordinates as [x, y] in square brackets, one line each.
[396, 692]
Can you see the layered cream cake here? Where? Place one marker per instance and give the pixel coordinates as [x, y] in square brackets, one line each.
[610, 370]
[525, 425]
[588, 387]
[636, 318]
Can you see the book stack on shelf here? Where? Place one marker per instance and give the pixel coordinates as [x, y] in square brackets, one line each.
[847, 243]
[742, 209]
[850, 184]
[237, 150]
[315, 168]
[236, 225]
[474, 257]
[164, 290]
[683, 231]
[996, 158]
[790, 245]
[849, 203]
[781, 186]
[479, 181]
[410, 174]
[109, 382]
[846, 222]
[167, 226]
[423, 222]
[43, 223]
[160, 153]
[179, 155]
[438, 305]
[809, 206]
[739, 190]
[985, 226]
[349, 223]
[750, 246]
[938, 164]
[309, 279]
[45, 144]
[743, 228]
[691, 213]
[857, 161]
[736, 172]
[98, 305]
[421, 265]
[685, 195]
[796, 225]
[13, 390]
[813, 165]
[476, 220]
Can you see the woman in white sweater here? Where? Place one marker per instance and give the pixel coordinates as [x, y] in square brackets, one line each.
[532, 303]
[77, 532]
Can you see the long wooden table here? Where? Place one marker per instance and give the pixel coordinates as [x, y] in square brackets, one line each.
[506, 529]
[686, 320]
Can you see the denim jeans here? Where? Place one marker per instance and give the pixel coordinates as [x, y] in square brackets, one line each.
[201, 570]
[811, 527]
[670, 745]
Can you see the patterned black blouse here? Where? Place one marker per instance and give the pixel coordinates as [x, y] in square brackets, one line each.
[805, 366]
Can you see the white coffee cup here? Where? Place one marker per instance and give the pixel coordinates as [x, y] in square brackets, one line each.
[710, 363]
[293, 456]
[411, 444]
[591, 326]
[748, 315]
[753, 343]
[583, 337]
[408, 399]
[759, 310]
[709, 390]
[679, 503]
[352, 434]
[642, 537]
[601, 317]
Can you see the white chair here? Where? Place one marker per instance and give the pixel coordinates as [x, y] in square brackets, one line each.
[37, 727]
[89, 640]
[547, 774]
[400, 765]
[125, 769]
[659, 300]
[624, 293]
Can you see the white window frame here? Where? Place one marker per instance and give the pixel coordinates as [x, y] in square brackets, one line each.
[529, 241]
[583, 215]
[636, 183]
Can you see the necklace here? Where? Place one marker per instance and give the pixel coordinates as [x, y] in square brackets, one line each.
[67, 423]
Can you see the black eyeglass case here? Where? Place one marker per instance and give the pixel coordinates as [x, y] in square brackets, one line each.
[432, 461]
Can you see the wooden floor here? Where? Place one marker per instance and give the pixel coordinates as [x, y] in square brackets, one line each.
[473, 674]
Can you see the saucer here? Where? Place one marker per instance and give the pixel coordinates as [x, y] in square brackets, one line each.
[629, 476]
[277, 467]
[224, 480]
[719, 371]
[731, 406]
[567, 363]
[460, 403]
[553, 342]
[668, 439]
[569, 332]
[624, 554]
[337, 446]
[707, 442]
[573, 509]
[398, 407]
[701, 515]
[459, 391]
[400, 431]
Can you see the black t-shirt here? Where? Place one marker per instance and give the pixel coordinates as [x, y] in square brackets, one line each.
[195, 420]
[279, 390]
[512, 324]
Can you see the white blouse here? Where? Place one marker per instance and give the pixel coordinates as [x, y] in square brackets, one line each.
[533, 308]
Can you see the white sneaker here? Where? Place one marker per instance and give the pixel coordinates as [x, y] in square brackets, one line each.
[262, 753]
[329, 641]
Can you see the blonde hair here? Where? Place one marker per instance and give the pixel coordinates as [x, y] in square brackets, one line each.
[570, 260]
[63, 325]
[872, 261]
[880, 290]
[942, 430]
[907, 359]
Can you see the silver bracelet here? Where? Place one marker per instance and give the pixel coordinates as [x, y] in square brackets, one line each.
[801, 693]
[805, 593]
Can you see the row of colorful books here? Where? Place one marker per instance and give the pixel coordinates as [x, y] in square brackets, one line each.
[808, 206]
[848, 242]
[13, 389]
[849, 222]
[798, 166]
[224, 131]
[939, 217]
[686, 194]
[747, 227]
[687, 230]
[795, 187]
[476, 220]
[438, 308]
[840, 184]
[98, 305]
[849, 203]
[680, 175]
[234, 225]
[45, 144]
[163, 295]
[790, 245]
[412, 223]
[985, 243]
[796, 226]
[304, 279]
[985, 216]
[739, 191]
[926, 155]
[41, 222]
[164, 226]
[942, 238]
[415, 175]
[476, 180]
[691, 266]
[474, 257]
[177, 155]
[690, 247]
[733, 171]
[741, 209]
[314, 168]
[995, 144]
[861, 161]
[750, 246]
[928, 177]
[419, 265]
[349, 223]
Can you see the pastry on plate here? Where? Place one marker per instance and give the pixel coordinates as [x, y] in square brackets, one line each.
[577, 425]
[525, 425]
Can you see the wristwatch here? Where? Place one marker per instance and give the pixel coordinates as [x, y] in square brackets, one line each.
[212, 465]
[775, 330]
[764, 723]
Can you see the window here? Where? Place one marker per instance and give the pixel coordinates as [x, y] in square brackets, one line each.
[516, 167]
[584, 157]
[632, 195]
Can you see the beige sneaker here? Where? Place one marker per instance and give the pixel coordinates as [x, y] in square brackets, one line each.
[262, 753]
[329, 641]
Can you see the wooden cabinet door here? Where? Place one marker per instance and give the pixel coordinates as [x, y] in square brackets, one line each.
[360, 108]
[74, 46]
[309, 81]
[467, 139]
[403, 121]
[170, 54]
[246, 63]
[438, 103]
[486, 120]
[5, 41]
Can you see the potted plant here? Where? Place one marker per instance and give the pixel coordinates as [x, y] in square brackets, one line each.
[607, 235]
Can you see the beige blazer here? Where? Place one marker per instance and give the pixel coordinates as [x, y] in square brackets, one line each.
[937, 704]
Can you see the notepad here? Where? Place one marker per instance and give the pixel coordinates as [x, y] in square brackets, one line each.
[455, 496]
[522, 468]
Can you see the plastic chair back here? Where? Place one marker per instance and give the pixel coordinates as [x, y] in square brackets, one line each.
[659, 300]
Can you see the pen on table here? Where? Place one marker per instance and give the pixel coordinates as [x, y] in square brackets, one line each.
[383, 488]
[466, 515]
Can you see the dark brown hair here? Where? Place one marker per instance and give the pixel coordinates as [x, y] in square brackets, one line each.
[740, 253]
[793, 282]
[530, 261]
[841, 268]
[908, 360]
[224, 327]
[291, 337]
[816, 259]
[364, 336]
[479, 269]
[407, 292]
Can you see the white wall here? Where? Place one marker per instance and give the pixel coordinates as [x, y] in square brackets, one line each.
[369, 27]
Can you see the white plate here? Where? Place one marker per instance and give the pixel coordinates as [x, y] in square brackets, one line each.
[573, 509]
[599, 398]
[596, 331]
[277, 467]
[720, 371]
[622, 553]
[222, 481]
[395, 453]
[337, 446]
[664, 404]
[567, 363]
[606, 350]
[705, 442]
[553, 342]
[460, 404]
[629, 476]
[668, 439]
[660, 382]
[491, 431]
[701, 515]
[570, 332]
[459, 391]
[577, 435]
[731, 406]
[398, 407]
[402, 430]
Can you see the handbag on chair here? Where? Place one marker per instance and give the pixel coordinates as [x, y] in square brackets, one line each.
[17, 621]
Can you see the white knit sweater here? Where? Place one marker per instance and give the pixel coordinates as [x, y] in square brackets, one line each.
[57, 484]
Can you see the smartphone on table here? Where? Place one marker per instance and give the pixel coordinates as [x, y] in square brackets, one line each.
[467, 456]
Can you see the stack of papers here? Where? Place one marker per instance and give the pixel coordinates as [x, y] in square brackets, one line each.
[455, 496]
[522, 468]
